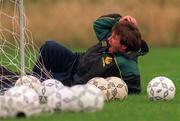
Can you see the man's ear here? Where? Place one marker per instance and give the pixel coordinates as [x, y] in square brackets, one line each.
[122, 48]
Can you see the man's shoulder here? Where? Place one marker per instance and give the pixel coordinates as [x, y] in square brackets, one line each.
[128, 56]
[128, 66]
[100, 46]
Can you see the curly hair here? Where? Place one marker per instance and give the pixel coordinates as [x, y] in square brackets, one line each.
[129, 35]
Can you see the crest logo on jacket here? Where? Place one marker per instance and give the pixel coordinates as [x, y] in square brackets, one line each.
[106, 60]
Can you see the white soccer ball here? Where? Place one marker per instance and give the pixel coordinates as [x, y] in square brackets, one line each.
[118, 88]
[103, 85]
[88, 98]
[29, 81]
[61, 100]
[41, 109]
[47, 88]
[3, 110]
[20, 99]
[161, 88]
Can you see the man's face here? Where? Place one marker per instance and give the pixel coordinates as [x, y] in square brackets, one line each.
[115, 45]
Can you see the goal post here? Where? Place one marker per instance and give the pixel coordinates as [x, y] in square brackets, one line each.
[21, 37]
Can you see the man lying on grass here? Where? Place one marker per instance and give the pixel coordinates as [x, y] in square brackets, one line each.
[116, 54]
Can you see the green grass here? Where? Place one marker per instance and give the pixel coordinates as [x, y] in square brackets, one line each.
[161, 61]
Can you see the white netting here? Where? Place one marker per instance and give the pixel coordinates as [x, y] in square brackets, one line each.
[9, 44]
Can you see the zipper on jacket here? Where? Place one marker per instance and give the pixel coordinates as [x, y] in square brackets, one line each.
[118, 67]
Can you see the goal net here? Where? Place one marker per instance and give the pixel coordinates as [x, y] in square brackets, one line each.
[14, 55]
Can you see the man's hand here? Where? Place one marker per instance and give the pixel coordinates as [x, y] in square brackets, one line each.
[130, 19]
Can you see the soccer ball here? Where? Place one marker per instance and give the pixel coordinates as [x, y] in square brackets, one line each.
[20, 99]
[41, 109]
[29, 81]
[161, 88]
[61, 100]
[3, 110]
[47, 88]
[118, 88]
[103, 85]
[88, 98]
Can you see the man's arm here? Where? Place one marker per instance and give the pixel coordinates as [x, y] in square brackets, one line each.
[103, 25]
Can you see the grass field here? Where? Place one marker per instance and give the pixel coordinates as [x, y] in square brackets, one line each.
[160, 61]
